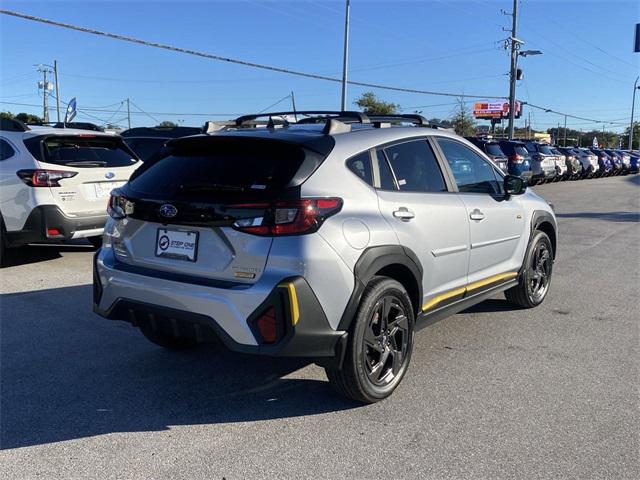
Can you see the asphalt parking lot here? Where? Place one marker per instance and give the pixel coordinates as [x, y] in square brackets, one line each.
[493, 392]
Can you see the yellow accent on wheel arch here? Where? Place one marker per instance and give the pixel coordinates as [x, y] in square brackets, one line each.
[463, 290]
[294, 309]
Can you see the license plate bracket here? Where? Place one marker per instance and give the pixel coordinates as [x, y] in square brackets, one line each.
[177, 244]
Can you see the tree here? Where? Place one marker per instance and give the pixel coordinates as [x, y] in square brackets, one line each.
[371, 105]
[167, 124]
[463, 122]
[23, 117]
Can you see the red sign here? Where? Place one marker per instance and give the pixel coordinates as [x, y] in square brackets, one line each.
[491, 110]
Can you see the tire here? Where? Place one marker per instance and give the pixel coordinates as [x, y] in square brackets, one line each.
[376, 359]
[3, 245]
[95, 241]
[535, 279]
[165, 339]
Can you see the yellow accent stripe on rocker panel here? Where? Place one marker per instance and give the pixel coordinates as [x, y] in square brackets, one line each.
[463, 290]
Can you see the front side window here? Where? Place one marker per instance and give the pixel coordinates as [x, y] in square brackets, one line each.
[415, 167]
[6, 150]
[473, 173]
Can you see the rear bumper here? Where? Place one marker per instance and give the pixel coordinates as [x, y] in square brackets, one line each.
[227, 312]
[45, 217]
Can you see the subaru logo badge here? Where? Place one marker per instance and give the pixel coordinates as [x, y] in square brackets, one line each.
[109, 175]
[168, 211]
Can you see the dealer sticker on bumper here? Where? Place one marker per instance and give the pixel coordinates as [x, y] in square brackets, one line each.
[178, 244]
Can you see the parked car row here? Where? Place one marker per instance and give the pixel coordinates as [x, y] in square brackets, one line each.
[539, 162]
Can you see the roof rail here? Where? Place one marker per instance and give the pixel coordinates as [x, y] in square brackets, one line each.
[314, 116]
[12, 125]
[413, 118]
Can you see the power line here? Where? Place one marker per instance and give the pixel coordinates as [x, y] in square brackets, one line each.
[231, 60]
[92, 109]
[146, 113]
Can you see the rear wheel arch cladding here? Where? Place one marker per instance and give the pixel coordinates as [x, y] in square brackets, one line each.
[545, 222]
[393, 261]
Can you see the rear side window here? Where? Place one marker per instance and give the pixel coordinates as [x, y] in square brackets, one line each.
[387, 182]
[204, 167]
[6, 150]
[361, 166]
[415, 167]
[473, 173]
[82, 151]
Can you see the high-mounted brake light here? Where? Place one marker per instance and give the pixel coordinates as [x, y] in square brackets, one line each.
[288, 217]
[44, 178]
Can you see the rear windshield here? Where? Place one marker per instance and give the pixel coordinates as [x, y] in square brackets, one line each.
[145, 148]
[545, 149]
[520, 150]
[203, 168]
[493, 149]
[82, 151]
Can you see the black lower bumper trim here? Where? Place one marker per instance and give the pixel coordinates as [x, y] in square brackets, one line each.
[45, 217]
[311, 337]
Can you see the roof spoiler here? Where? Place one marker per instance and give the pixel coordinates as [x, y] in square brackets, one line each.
[12, 125]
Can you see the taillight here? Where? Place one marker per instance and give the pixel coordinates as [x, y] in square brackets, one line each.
[119, 207]
[516, 158]
[44, 178]
[288, 217]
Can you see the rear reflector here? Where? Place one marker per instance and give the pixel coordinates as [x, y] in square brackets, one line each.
[53, 232]
[267, 327]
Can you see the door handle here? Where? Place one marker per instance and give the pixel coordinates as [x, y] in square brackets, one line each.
[476, 215]
[404, 214]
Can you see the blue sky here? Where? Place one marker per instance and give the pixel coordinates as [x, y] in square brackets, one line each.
[587, 69]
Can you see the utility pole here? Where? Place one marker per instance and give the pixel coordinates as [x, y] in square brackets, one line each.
[293, 104]
[564, 143]
[46, 88]
[345, 57]
[514, 66]
[633, 104]
[55, 73]
[128, 114]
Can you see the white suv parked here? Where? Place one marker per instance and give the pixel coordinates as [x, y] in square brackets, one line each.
[55, 182]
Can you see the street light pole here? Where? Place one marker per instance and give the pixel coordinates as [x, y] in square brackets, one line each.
[514, 67]
[564, 143]
[345, 57]
[633, 104]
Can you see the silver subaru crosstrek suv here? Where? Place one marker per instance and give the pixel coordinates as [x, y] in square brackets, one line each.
[332, 238]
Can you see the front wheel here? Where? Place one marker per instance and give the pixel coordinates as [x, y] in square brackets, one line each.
[536, 274]
[379, 345]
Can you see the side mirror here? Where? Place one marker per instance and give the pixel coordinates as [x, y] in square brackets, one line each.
[514, 185]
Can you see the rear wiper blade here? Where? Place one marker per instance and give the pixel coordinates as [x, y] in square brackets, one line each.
[211, 187]
[97, 163]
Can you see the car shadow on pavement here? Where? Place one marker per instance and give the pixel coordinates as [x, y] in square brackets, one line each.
[620, 217]
[491, 305]
[37, 253]
[66, 373]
